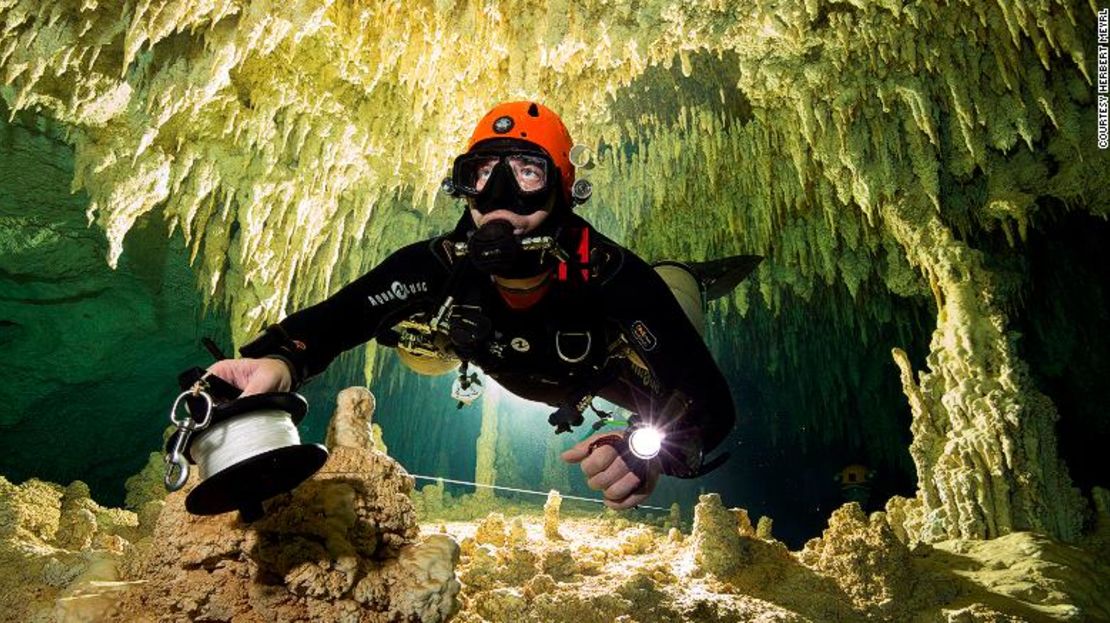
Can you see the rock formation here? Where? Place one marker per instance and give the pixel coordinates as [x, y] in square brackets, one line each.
[60, 552]
[870, 168]
[857, 571]
[341, 546]
[551, 515]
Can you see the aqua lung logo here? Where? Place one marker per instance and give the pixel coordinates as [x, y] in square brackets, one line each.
[398, 292]
[503, 125]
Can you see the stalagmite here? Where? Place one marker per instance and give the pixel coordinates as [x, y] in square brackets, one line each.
[551, 515]
[485, 471]
[716, 537]
[878, 154]
[343, 541]
[984, 438]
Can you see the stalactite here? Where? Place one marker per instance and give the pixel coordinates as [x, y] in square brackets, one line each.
[297, 143]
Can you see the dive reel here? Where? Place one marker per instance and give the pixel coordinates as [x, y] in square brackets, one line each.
[247, 449]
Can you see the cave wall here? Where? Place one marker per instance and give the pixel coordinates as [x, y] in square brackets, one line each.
[860, 146]
[91, 353]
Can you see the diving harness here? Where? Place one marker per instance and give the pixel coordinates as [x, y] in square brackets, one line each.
[459, 325]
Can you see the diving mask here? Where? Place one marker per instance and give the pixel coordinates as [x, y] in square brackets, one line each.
[517, 180]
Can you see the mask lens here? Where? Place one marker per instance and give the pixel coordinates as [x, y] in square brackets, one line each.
[473, 171]
[530, 172]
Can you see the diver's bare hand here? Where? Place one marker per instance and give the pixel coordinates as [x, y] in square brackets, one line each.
[254, 376]
[607, 472]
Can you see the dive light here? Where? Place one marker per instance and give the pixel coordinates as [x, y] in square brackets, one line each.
[644, 442]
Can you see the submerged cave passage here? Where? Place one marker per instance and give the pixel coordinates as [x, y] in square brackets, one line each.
[823, 419]
[1064, 320]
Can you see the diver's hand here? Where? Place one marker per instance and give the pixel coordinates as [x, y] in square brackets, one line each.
[254, 376]
[607, 472]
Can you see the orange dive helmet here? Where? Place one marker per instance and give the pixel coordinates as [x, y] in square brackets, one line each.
[528, 122]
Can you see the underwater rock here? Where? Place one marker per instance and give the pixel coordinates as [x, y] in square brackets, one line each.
[480, 566]
[743, 522]
[637, 540]
[517, 564]
[716, 537]
[502, 605]
[763, 528]
[984, 436]
[1024, 574]
[857, 571]
[341, 546]
[551, 515]
[351, 424]
[517, 534]
[539, 585]
[55, 544]
[674, 518]
[560, 564]
[148, 484]
[1101, 499]
[492, 530]
[863, 556]
[429, 500]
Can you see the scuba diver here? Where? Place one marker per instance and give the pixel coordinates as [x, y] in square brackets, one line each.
[545, 305]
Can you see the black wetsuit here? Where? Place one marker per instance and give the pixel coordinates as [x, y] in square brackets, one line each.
[554, 351]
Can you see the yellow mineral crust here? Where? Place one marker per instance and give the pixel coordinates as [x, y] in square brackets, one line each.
[296, 143]
[283, 136]
[857, 571]
[310, 557]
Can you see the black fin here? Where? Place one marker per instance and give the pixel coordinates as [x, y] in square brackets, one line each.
[719, 277]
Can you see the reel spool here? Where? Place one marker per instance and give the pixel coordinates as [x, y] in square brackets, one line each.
[247, 449]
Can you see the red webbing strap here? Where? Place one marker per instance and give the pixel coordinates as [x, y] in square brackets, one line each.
[583, 256]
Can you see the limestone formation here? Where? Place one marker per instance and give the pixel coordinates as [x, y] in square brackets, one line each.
[492, 530]
[863, 557]
[517, 534]
[222, 570]
[351, 424]
[485, 471]
[856, 571]
[59, 551]
[341, 546]
[148, 484]
[674, 517]
[764, 527]
[716, 537]
[551, 515]
[743, 522]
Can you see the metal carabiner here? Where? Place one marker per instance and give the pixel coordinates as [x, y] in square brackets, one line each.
[172, 482]
[177, 466]
[188, 423]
